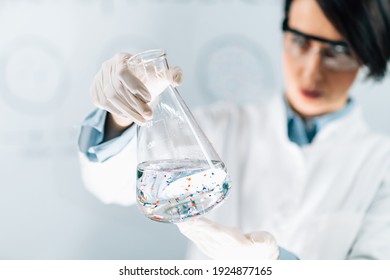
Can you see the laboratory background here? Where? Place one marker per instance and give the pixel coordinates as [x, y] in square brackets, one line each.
[49, 54]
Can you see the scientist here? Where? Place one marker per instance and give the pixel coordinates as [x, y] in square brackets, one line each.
[310, 179]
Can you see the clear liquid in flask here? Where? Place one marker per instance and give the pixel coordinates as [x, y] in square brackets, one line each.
[173, 191]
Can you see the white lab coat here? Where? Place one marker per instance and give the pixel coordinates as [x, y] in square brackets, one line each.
[327, 200]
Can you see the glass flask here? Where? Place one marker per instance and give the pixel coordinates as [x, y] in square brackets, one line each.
[179, 174]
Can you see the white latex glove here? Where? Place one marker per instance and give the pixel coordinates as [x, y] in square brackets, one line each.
[222, 243]
[117, 90]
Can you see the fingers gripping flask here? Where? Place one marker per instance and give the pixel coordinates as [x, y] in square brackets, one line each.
[179, 174]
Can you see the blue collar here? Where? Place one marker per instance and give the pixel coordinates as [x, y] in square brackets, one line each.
[302, 132]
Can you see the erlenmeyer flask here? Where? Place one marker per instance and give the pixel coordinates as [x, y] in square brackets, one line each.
[179, 173]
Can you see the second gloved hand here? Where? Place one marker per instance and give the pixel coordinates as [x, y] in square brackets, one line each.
[117, 90]
[221, 242]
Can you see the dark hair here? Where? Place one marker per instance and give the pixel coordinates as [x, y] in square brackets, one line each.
[365, 24]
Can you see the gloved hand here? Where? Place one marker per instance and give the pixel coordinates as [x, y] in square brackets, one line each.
[221, 242]
[117, 90]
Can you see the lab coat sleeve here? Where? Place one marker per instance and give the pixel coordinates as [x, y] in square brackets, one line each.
[108, 169]
[373, 240]
[113, 180]
[92, 134]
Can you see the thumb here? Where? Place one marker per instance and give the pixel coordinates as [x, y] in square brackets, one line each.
[261, 237]
[265, 244]
[177, 76]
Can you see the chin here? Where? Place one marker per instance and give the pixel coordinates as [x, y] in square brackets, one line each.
[308, 109]
[312, 113]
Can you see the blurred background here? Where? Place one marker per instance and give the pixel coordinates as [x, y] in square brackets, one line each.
[49, 54]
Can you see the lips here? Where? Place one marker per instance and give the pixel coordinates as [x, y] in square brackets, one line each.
[311, 93]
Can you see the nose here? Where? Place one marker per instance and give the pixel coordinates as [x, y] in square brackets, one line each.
[312, 72]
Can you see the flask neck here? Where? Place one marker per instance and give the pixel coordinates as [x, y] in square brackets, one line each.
[151, 68]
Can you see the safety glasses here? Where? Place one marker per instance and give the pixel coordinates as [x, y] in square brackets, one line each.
[335, 55]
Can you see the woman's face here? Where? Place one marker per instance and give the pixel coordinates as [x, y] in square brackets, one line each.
[312, 88]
